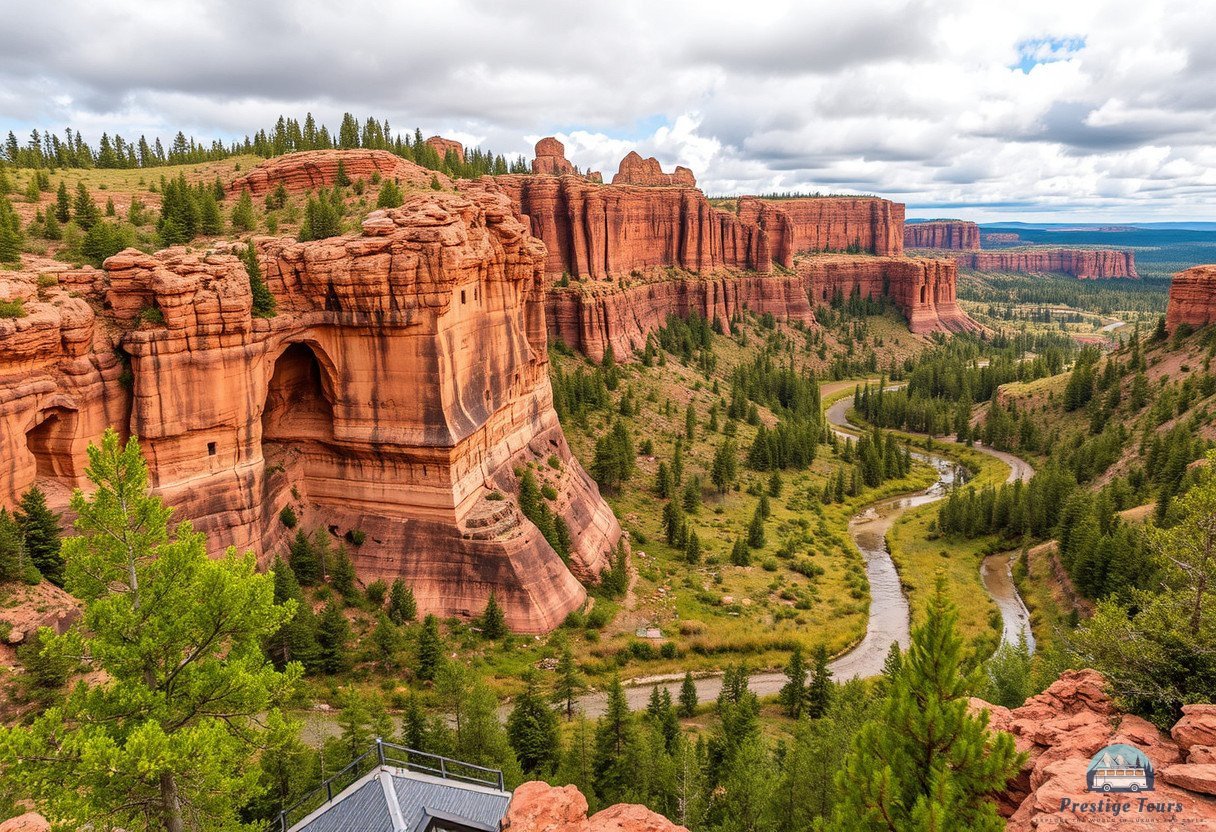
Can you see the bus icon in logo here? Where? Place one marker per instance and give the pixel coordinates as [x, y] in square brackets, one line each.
[1119, 768]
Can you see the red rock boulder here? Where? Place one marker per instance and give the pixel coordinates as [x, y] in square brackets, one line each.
[29, 822]
[312, 169]
[444, 146]
[539, 807]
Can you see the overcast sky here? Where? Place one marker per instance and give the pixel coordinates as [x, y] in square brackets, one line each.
[1019, 109]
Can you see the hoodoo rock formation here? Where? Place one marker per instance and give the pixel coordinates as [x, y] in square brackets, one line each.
[1091, 264]
[1062, 728]
[551, 161]
[403, 378]
[948, 234]
[312, 169]
[634, 170]
[444, 146]
[1192, 298]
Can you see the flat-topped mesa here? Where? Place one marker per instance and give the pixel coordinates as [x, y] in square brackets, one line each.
[1192, 298]
[444, 146]
[401, 382]
[634, 170]
[942, 234]
[999, 237]
[1085, 264]
[312, 169]
[829, 224]
[923, 289]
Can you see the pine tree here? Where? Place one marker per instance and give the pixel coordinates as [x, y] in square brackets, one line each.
[385, 640]
[401, 604]
[264, 303]
[171, 629]
[40, 530]
[493, 621]
[755, 531]
[13, 561]
[341, 179]
[741, 553]
[614, 736]
[925, 762]
[243, 218]
[342, 576]
[569, 681]
[692, 549]
[532, 730]
[688, 696]
[296, 639]
[303, 559]
[430, 649]
[819, 691]
[390, 195]
[63, 204]
[414, 732]
[11, 237]
[793, 693]
[84, 210]
[333, 636]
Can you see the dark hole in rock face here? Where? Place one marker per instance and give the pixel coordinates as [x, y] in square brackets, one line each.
[297, 405]
[211, 449]
[51, 443]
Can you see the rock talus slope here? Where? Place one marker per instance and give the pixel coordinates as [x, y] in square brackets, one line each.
[402, 380]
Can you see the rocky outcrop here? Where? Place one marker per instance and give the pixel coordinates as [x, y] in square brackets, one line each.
[401, 383]
[999, 237]
[444, 146]
[29, 822]
[1062, 728]
[593, 315]
[923, 289]
[942, 234]
[634, 170]
[551, 158]
[1091, 264]
[538, 807]
[605, 232]
[828, 224]
[1192, 298]
[312, 169]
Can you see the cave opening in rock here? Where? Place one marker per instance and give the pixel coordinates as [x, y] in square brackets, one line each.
[50, 442]
[299, 399]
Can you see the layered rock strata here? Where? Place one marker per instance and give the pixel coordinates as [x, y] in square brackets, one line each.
[634, 170]
[401, 381]
[828, 224]
[1062, 728]
[1092, 264]
[942, 234]
[1192, 298]
[312, 169]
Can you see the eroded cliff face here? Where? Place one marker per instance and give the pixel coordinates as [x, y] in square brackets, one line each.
[444, 146]
[1094, 264]
[634, 170]
[942, 234]
[829, 224]
[1192, 298]
[312, 169]
[403, 379]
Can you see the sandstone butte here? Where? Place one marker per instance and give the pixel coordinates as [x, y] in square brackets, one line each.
[945, 234]
[1192, 298]
[1086, 264]
[634, 170]
[403, 378]
[443, 146]
[312, 169]
[634, 254]
[1063, 727]
[1000, 237]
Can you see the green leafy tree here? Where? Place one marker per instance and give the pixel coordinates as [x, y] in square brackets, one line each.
[167, 740]
[532, 730]
[926, 763]
[401, 604]
[40, 529]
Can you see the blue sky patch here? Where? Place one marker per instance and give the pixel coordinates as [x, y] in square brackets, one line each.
[1035, 51]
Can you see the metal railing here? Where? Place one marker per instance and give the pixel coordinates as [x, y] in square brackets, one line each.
[388, 754]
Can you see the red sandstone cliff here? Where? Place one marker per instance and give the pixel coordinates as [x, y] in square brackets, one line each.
[444, 146]
[828, 224]
[403, 379]
[942, 234]
[1063, 727]
[551, 161]
[312, 169]
[1092, 264]
[1192, 298]
[634, 170]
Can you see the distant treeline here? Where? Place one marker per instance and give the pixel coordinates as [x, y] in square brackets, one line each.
[48, 150]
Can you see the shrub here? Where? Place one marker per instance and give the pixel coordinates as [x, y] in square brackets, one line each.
[548, 491]
[376, 592]
[288, 517]
[356, 537]
[12, 308]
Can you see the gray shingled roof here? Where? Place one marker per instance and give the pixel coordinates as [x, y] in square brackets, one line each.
[373, 802]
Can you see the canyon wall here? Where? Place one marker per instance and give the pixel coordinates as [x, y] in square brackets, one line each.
[401, 382]
[829, 224]
[943, 234]
[1091, 264]
[1000, 237]
[312, 169]
[1192, 298]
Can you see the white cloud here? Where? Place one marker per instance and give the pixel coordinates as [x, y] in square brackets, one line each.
[1090, 108]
